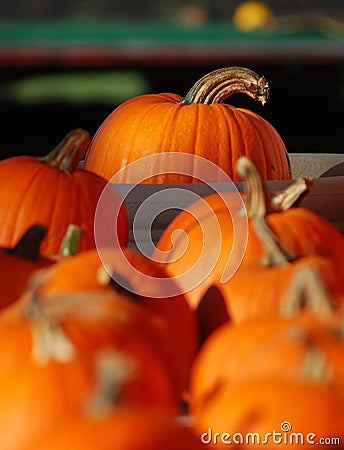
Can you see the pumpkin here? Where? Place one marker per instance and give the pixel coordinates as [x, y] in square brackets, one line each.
[40, 382]
[106, 422]
[253, 252]
[121, 429]
[54, 370]
[52, 191]
[150, 289]
[273, 412]
[21, 261]
[199, 124]
[90, 322]
[272, 345]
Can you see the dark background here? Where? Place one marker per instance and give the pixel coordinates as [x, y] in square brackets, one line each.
[306, 104]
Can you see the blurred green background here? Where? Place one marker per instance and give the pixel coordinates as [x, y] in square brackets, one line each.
[67, 64]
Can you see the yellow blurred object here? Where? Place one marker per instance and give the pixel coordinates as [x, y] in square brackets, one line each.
[251, 15]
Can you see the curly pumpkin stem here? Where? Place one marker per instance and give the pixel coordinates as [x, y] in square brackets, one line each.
[28, 246]
[113, 371]
[67, 155]
[307, 289]
[71, 241]
[256, 202]
[219, 84]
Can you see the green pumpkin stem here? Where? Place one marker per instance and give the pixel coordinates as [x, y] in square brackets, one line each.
[69, 152]
[218, 85]
[71, 241]
[28, 246]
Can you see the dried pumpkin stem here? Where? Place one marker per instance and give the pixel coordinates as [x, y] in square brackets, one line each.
[307, 289]
[28, 246]
[68, 153]
[49, 340]
[113, 371]
[219, 84]
[290, 195]
[315, 367]
[256, 201]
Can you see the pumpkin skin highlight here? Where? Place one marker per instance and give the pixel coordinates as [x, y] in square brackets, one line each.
[161, 123]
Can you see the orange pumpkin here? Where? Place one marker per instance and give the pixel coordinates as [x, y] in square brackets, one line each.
[90, 322]
[172, 314]
[198, 124]
[105, 422]
[271, 251]
[21, 261]
[52, 191]
[272, 345]
[120, 429]
[48, 365]
[273, 413]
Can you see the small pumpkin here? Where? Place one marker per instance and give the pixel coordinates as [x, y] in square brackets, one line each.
[199, 124]
[52, 191]
[273, 345]
[269, 252]
[273, 412]
[21, 261]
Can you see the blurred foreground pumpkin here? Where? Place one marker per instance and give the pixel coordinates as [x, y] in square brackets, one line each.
[146, 285]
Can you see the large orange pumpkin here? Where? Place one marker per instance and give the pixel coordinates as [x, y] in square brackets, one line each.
[52, 191]
[198, 124]
[50, 356]
[92, 321]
